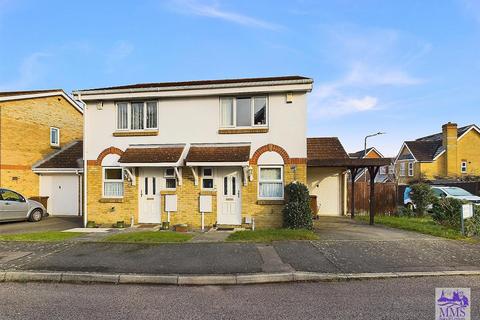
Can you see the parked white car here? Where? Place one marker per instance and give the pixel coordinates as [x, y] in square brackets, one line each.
[455, 192]
[14, 206]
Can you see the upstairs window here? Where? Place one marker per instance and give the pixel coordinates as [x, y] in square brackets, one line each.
[463, 167]
[54, 137]
[383, 170]
[170, 180]
[402, 169]
[243, 112]
[137, 115]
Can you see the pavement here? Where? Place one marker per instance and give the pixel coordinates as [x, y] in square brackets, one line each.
[345, 248]
[360, 300]
[46, 224]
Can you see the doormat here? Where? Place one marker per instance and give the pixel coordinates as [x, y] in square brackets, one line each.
[225, 229]
[147, 225]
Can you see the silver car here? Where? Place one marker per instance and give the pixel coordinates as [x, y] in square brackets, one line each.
[14, 206]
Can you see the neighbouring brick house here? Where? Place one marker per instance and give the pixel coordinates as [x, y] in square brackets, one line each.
[453, 153]
[167, 151]
[35, 125]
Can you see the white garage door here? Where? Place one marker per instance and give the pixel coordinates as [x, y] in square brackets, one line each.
[326, 184]
[63, 193]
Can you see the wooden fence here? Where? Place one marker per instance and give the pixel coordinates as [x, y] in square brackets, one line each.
[385, 198]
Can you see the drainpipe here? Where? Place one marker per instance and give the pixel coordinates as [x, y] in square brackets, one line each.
[85, 192]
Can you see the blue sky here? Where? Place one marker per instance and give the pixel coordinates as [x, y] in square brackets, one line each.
[403, 67]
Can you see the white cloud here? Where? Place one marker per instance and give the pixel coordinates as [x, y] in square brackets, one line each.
[31, 69]
[213, 11]
[371, 60]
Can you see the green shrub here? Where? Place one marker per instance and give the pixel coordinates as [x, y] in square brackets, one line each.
[422, 196]
[447, 211]
[297, 213]
[405, 212]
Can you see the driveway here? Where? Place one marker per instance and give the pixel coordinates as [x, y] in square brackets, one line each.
[344, 228]
[46, 224]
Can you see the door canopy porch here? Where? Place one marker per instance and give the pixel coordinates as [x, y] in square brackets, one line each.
[218, 155]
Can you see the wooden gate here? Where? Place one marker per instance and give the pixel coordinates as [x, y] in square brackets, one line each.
[385, 197]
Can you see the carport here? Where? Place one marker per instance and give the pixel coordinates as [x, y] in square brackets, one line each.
[355, 166]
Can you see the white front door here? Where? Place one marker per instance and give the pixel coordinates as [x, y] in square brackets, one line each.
[229, 198]
[149, 195]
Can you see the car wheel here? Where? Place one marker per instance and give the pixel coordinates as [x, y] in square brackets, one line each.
[410, 206]
[36, 215]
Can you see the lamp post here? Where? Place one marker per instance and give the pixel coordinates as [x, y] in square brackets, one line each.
[365, 144]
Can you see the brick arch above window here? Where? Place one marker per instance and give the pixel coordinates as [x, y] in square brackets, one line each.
[270, 147]
[103, 154]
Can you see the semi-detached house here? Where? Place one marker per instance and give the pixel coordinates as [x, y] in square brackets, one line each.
[160, 152]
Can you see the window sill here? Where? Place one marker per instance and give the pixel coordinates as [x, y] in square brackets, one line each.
[242, 130]
[270, 202]
[135, 133]
[111, 200]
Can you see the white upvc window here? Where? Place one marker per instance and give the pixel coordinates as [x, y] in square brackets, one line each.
[54, 137]
[137, 115]
[112, 182]
[410, 169]
[463, 166]
[207, 178]
[244, 111]
[170, 179]
[402, 169]
[270, 182]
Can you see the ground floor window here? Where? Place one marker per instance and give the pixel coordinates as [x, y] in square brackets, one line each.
[270, 182]
[113, 182]
[170, 180]
[207, 178]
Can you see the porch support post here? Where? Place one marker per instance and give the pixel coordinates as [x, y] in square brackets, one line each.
[178, 173]
[353, 175]
[372, 173]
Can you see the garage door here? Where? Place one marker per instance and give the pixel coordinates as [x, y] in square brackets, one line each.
[326, 184]
[63, 193]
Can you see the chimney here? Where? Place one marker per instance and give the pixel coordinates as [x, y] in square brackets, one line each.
[449, 142]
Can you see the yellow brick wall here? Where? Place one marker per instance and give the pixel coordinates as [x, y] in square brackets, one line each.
[106, 213]
[266, 216]
[25, 137]
[468, 149]
[433, 169]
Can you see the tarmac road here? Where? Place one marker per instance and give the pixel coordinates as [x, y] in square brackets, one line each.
[370, 299]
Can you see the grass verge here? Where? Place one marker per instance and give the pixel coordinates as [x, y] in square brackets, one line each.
[149, 237]
[269, 235]
[48, 236]
[423, 225]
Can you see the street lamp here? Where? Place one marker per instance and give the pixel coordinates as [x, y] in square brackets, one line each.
[365, 144]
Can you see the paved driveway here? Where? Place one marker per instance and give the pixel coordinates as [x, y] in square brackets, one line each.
[344, 228]
[46, 224]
